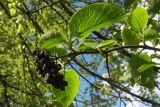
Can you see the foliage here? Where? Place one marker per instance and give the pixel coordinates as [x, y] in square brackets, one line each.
[106, 48]
[67, 96]
[94, 17]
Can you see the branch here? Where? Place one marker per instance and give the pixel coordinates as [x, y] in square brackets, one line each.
[24, 43]
[76, 53]
[107, 65]
[56, 12]
[6, 11]
[119, 48]
[114, 84]
[84, 77]
[30, 18]
[41, 8]
[31, 74]
[5, 84]
[65, 8]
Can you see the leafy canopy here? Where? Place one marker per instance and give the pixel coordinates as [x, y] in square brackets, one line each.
[111, 46]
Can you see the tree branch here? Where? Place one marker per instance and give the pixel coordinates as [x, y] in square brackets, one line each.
[6, 11]
[114, 84]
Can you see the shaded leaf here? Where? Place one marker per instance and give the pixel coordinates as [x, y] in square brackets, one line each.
[152, 36]
[59, 51]
[94, 17]
[138, 19]
[156, 7]
[128, 3]
[130, 37]
[145, 78]
[52, 39]
[71, 90]
[145, 67]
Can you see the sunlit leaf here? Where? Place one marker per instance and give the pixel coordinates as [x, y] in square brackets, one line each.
[52, 39]
[94, 17]
[138, 19]
[88, 44]
[58, 50]
[106, 44]
[71, 90]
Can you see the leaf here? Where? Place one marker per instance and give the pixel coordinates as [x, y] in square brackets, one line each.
[145, 67]
[94, 17]
[156, 7]
[71, 90]
[128, 3]
[88, 44]
[138, 19]
[59, 51]
[152, 36]
[13, 11]
[52, 39]
[130, 37]
[145, 78]
[20, 28]
[106, 44]
[124, 77]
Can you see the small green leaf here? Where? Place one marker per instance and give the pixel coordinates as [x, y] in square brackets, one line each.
[145, 67]
[20, 28]
[88, 45]
[124, 77]
[52, 39]
[138, 19]
[106, 44]
[94, 17]
[59, 51]
[13, 11]
[130, 37]
[71, 90]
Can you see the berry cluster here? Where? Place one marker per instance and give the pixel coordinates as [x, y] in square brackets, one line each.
[50, 69]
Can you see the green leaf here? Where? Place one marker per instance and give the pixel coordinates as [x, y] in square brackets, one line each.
[152, 36]
[106, 44]
[94, 17]
[138, 19]
[13, 11]
[156, 7]
[20, 28]
[128, 3]
[145, 78]
[145, 67]
[130, 37]
[88, 45]
[59, 51]
[71, 90]
[124, 77]
[52, 39]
